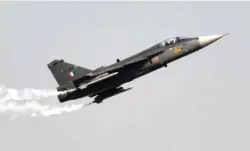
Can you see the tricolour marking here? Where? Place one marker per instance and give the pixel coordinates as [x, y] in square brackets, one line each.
[155, 59]
[71, 74]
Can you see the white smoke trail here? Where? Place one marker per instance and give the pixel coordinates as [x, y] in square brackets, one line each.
[26, 102]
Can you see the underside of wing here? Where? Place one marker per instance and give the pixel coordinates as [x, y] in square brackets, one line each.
[118, 66]
[98, 79]
[109, 73]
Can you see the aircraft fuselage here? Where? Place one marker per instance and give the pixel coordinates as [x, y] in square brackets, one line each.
[147, 61]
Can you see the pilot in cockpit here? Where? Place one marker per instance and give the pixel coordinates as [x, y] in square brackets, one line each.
[170, 41]
[173, 40]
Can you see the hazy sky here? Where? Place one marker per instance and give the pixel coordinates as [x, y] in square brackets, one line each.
[198, 103]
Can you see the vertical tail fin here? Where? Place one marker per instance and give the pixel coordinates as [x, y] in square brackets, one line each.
[64, 72]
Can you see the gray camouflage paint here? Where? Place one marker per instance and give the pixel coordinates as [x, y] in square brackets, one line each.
[128, 69]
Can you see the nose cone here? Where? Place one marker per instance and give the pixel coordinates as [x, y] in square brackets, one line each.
[207, 40]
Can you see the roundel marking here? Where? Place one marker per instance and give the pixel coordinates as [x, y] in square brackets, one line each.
[155, 59]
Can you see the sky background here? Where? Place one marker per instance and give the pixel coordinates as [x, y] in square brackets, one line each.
[200, 102]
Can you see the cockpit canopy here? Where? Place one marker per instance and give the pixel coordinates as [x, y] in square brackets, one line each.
[173, 40]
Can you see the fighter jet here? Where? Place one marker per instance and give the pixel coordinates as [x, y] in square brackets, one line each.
[107, 81]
